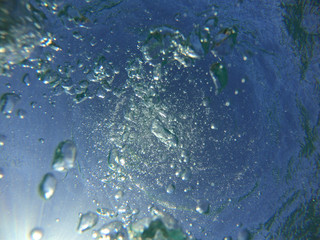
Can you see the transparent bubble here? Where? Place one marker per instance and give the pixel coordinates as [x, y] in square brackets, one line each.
[244, 234]
[101, 93]
[163, 134]
[8, 102]
[118, 195]
[205, 102]
[26, 79]
[64, 156]
[34, 105]
[21, 113]
[1, 173]
[87, 221]
[171, 188]
[36, 234]
[186, 175]
[113, 159]
[203, 207]
[47, 186]
[219, 76]
[2, 140]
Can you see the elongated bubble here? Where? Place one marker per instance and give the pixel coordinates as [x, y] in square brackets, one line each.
[8, 102]
[47, 186]
[163, 134]
[64, 156]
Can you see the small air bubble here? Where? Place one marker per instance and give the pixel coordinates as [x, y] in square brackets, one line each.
[36, 234]
[203, 207]
[33, 104]
[1, 173]
[171, 188]
[244, 234]
[21, 113]
[238, 225]
[2, 140]
[118, 195]
[26, 79]
[101, 94]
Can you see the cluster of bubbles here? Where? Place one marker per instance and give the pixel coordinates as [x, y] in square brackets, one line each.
[21, 32]
[159, 226]
[165, 45]
[162, 46]
[63, 160]
[149, 137]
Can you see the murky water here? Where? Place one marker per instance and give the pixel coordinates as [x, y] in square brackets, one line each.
[159, 120]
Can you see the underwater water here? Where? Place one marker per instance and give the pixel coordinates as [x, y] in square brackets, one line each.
[140, 120]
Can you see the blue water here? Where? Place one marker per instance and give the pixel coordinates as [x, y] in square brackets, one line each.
[201, 118]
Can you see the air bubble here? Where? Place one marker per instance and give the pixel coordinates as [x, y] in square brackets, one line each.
[64, 156]
[1, 173]
[244, 234]
[186, 175]
[203, 207]
[227, 238]
[171, 188]
[163, 134]
[205, 102]
[101, 93]
[8, 102]
[21, 113]
[2, 140]
[26, 79]
[36, 234]
[87, 221]
[219, 76]
[33, 104]
[118, 195]
[47, 186]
